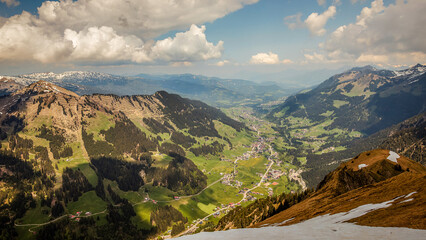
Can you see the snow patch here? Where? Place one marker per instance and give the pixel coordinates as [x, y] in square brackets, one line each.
[321, 227]
[406, 200]
[286, 221]
[362, 165]
[277, 224]
[411, 194]
[393, 156]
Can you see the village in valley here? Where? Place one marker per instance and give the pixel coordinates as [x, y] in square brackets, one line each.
[272, 176]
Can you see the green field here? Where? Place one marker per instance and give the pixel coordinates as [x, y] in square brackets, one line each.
[88, 202]
[339, 103]
[143, 215]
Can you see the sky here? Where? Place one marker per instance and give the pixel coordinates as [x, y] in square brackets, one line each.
[296, 42]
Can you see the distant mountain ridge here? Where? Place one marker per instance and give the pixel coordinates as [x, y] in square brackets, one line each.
[215, 91]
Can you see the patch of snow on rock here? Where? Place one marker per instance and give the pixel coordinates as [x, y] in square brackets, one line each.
[409, 195]
[362, 165]
[393, 156]
[406, 200]
[321, 227]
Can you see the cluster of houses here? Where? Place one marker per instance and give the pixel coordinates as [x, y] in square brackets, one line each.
[229, 180]
[77, 216]
[273, 174]
[260, 146]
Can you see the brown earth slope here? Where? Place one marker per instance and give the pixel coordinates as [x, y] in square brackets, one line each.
[354, 184]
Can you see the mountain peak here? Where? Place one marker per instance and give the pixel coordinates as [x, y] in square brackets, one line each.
[43, 87]
[367, 168]
[418, 65]
[411, 72]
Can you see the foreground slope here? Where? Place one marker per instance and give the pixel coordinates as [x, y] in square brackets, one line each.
[372, 177]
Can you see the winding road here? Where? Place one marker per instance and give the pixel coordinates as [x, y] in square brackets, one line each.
[271, 163]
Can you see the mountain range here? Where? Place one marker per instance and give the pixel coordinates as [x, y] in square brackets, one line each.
[351, 112]
[362, 99]
[215, 91]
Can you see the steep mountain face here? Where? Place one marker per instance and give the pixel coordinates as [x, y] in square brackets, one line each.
[361, 99]
[408, 138]
[215, 91]
[372, 177]
[63, 124]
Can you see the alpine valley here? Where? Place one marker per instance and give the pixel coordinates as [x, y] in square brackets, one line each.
[89, 155]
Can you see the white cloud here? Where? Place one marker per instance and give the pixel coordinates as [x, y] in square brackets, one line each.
[316, 22]
[99, 30]
[188, 46]
[144, 18]
[11, 3]
[393, 34]
[286, 61]
[222, 63]
[268, 58]
[94, 44]
[181, 64]
[368, 13]
[265, 58]
[23, 40]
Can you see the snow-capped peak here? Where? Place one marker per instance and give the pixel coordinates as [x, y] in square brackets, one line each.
[67, 75]
[413, 71]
